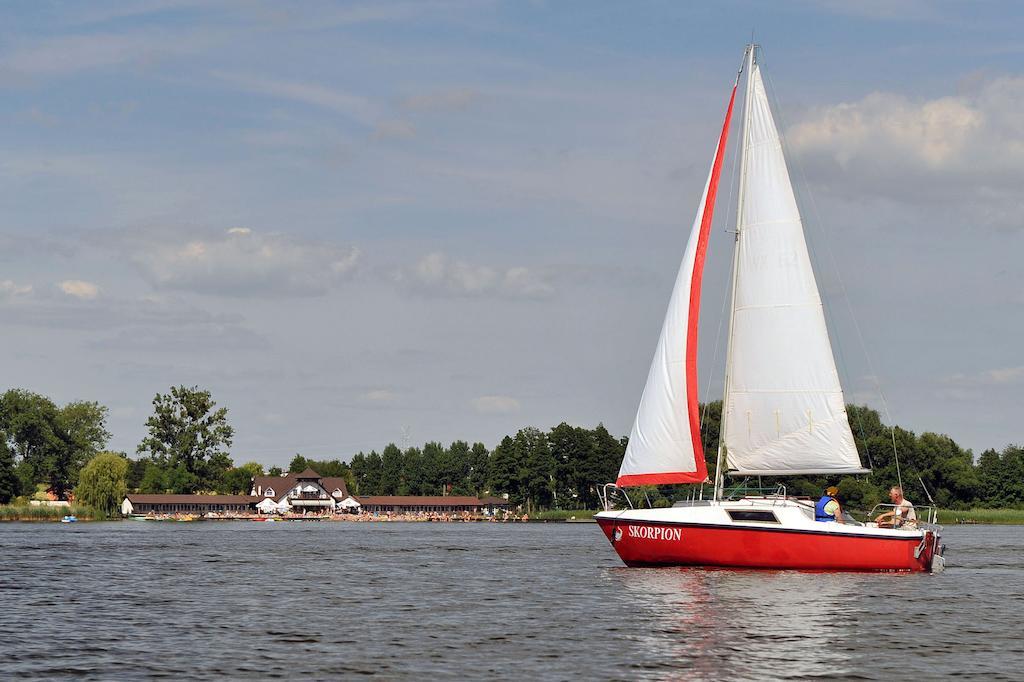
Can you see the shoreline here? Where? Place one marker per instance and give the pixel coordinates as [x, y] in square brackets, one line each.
[9, 514]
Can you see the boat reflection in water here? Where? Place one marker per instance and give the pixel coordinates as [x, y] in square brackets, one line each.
[720, 623]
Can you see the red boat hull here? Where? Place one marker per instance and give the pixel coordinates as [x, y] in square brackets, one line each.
[646, 543]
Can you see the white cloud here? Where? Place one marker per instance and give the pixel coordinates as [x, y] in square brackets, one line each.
[933, 132]
[354, 106]
[9, 289]
[72, 54]
[1006, 375]
[1000, 376]
[190, 340]
[242, 263]
[378, 396]
[525, 283]
[495, 404]
[79, 289]
[394, 129]
[880, 10]
[437, 274]
[146, 323]
[966, 148]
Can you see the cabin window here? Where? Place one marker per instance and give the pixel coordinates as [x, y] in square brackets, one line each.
[269, 492]
[745, 515]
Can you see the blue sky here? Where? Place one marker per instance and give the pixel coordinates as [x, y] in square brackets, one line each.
[464, 217]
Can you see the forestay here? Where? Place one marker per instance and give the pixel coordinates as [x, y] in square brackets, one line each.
[664, 444]
[785, 412]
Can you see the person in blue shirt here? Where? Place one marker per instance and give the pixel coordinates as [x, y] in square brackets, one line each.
[828, 507]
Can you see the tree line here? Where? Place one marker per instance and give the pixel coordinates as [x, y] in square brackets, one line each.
[61, 449]
[930, 464]
[560, 468]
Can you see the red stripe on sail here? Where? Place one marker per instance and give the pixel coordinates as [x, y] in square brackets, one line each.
[695, 283]
[662, 479]
[700, 475]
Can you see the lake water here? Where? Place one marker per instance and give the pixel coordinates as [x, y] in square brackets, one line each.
[211, 600]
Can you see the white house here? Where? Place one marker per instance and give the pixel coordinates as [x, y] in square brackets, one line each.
[306, 492]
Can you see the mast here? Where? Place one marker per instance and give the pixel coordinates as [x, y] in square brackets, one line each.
[719, 471]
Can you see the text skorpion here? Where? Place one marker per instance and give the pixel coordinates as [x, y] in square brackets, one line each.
[655, 533]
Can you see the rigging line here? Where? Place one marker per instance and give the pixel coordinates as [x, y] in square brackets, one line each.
[725, 293]
[842, 288]
[845, 295]
[838, 345]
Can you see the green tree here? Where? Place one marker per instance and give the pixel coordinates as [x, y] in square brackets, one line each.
[990, 474]
[604, 465]
[10, 486]
[54, 442]
[298, 464]
[275, 471]
[154, 479]
[358, 467]
[189, 432]
[1010, 476]
[136, 471]
[182, 481]
[574, 452]
[84, 425]
[26, 479]
[478, 473]
[102, 483]
[455, 468]
[416, 471]
[433, 464]
[391, 470]
[505, 470]
[710, 431]
[375, 474]
[330, 468]
[538, 468]
[238, 480]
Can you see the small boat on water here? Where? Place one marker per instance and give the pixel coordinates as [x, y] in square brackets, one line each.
[783, 413]
[70, 518]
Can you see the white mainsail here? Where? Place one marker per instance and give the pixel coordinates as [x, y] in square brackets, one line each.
[665, 444]
[784, 411]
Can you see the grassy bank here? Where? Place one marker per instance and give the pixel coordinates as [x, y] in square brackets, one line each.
[26, 512]
[997, 516]
[562, 514]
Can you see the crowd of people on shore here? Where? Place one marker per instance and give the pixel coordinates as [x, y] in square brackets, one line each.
[501, 516]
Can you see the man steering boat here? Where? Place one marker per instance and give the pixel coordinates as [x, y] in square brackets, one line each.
[902, 514]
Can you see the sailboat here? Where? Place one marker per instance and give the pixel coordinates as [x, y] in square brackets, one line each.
[783, 412]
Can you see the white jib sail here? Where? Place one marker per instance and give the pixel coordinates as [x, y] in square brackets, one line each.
[664, 444]
[661, 443]
[785, 407]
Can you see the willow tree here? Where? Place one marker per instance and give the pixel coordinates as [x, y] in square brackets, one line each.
[103, 483]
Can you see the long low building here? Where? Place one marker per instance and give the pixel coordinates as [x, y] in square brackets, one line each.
[405, 504]
[138, 503]
[306, 493]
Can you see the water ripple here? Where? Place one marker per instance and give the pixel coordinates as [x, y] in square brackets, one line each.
[405, 601]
